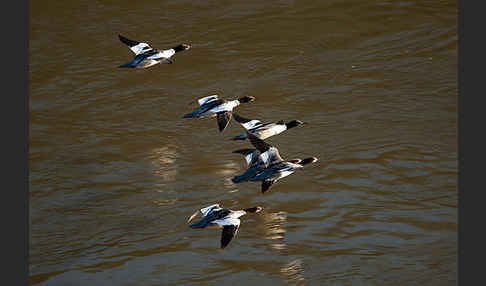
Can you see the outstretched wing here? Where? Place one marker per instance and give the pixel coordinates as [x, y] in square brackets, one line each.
[207, 99]
[269, 154]
[135, 46]
[223, 119]
[205, 107]
[247, 123]
[204, 211]
[229, 231]
[266, 184]
[216, 216]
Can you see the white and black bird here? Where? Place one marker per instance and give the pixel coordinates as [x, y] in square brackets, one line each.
[275, 167]
[228, 220]
[213, 106]
[263, 130]
[145, 56]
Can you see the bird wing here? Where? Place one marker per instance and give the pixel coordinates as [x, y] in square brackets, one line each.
[229, 231]
[140, 60]
[266, 184]
[269, 154]
[207, 99]
[223, 119]
[193, 216]
[214, 216]
[205, 107]
[247, 123]
[204, 211]
[136, 47]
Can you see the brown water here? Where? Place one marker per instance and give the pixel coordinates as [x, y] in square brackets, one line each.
[115, 171]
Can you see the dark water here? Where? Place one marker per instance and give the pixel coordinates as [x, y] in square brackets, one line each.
[115, 171]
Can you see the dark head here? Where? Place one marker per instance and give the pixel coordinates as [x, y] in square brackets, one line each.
[253, 209]
[294, 123]
[246, 99]
[308, 160]
[182, 47]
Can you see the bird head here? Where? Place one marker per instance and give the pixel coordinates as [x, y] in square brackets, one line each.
[295, 123]
[253, 209]
[246, 99]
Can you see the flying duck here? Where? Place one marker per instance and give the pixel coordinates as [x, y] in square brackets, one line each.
[263, 130]
[228, 220]
[145, 56]
[276, 168]
[211, 106]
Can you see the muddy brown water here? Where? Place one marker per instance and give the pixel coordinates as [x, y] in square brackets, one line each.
[115, 171]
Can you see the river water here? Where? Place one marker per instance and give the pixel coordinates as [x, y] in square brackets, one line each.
[115, 171]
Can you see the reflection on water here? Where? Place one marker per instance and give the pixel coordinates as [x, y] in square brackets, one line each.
[293, 272]
[163, 160]
[227, 171]
[114, 171]
[274, 229]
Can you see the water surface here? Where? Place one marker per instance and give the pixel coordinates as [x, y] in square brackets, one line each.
[115, 171]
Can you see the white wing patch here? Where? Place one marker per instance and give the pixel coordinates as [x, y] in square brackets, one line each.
[207, 99]
[265, 156]
[205, 211]
[137, 49]
[251, 124]
[248, 158]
